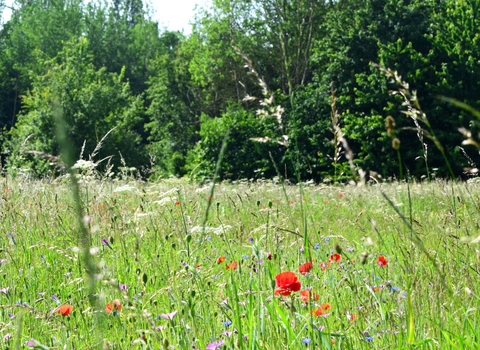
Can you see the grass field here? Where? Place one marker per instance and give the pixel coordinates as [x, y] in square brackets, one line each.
[164, 275]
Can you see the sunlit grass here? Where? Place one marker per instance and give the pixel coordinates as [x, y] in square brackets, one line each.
[162, 281]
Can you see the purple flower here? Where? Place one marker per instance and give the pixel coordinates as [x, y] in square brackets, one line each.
[107, 243]
[32, 343]
[5, 290]
[160, 328]
[169, 316]
[250, 239]
[215, 345]
[123, 287]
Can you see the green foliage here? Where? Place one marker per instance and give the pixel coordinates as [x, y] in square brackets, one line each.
[243, 56]
[92, 102]
[37, 29]
[173, 125]
[243, 158]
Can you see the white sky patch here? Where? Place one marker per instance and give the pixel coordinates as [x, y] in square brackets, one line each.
[172, 15]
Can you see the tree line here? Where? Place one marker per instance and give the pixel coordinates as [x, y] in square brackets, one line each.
[291, 88]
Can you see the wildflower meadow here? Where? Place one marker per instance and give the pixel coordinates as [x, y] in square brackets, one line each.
[244, 265]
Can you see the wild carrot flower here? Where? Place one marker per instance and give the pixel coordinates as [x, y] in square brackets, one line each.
[232, 266]
[382, 261]
[65, 309]
[322, 310]
[307, 295]
[115, 305]
[287, 282]
[305, 268]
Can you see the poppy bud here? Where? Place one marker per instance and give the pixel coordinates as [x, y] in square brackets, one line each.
[338, 249]
[363, 258]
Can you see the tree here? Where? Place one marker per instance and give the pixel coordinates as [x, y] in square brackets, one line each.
[92, 102]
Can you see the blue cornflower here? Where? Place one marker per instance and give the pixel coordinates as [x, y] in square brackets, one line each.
[316, 246]
[306, 341]
[227, 323]
[395, 289]
[369, 338]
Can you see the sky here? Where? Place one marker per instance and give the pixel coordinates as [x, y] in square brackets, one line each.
[172, 14]
[176, 14]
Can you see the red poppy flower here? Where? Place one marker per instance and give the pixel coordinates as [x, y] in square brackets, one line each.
[352, 317]
[113, 306]
[322, 310]
[177, 203]
[304, 268]
[335, 257]
[232, 266]
[287, 282]
[220, 259]
[307, 295]
[65, 309]
[382, 261]
[269, 256]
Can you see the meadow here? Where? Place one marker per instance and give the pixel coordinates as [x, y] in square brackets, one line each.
[247, 265]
